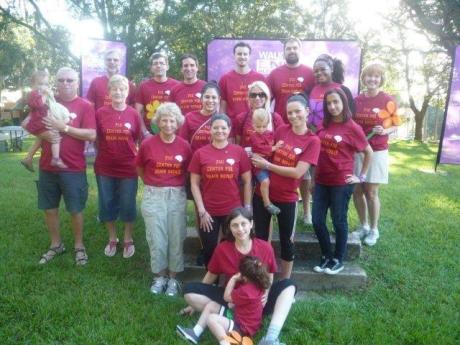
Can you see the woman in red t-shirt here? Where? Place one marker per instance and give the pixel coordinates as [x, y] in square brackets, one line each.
[258, 98]
[216, 170]
[162, 164]
[240, 240]
[118, 132]
[366, 194]
[340, 139]
[290, 161]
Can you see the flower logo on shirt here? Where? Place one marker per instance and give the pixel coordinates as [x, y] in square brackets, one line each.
[300, 79]
[230, 161]
[151, 109]
[127, 125]
[337, 138]
[297, 151]
[73, 116]
[178, 158]
[167, 92]
[198, 95]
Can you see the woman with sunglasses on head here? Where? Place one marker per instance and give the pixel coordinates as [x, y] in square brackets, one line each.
[340, 139]
[290, 161]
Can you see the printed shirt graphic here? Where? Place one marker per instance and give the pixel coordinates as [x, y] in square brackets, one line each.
[243, 126]
[193, 129]
[98, 94]
[187, 96]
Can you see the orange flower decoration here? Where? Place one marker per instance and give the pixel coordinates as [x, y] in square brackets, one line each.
[235, 338]
[391, 115]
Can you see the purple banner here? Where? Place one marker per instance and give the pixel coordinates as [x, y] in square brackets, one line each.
[268, 54]
[450, 144]
[92, 60]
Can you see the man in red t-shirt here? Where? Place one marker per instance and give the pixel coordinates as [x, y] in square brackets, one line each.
[154, 91]
[98, 93]
[71, 182]
[187, 94]
[234, 84]
[290, 78]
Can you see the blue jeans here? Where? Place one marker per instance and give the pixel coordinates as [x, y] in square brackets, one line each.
[117, 198]
[335, 198]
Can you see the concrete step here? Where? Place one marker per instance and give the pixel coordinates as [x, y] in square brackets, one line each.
[306, 245]
[352, 276]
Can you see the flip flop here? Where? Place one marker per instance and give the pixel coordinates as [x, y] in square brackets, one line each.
[128, 249]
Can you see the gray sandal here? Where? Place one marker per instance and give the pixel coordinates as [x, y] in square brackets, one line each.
[81, 258]
[51, 253]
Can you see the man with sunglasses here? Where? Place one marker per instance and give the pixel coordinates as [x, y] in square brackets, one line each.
[98, 93]
[234, 84]
[69, 183]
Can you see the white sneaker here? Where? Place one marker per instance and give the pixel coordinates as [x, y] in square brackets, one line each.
[158, 285]
[173, 288]
[372, 238]
[360, 232]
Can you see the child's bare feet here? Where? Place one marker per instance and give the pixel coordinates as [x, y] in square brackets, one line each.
[57, 162]
[28, 164]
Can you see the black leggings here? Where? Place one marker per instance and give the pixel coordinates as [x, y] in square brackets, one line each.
[209, 240]
[286, 222]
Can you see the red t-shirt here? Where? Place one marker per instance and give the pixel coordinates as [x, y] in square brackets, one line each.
[117, 135]
[316, 98]
[243, 126]
[339, 142]
[165, 164]
[234, 90]
[296, 148]
[220, 170]
[247, 298]
[193, 130]
[72, 149]
[151, 94]
[367, 109]
[226, 258]
[98, 93]
[285, 81]
[261, 143]
[38, 111]
[187, 96]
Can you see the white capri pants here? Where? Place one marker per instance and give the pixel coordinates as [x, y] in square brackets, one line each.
[164, 212]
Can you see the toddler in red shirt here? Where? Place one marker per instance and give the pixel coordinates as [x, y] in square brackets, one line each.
[243, 313]
[262, 143]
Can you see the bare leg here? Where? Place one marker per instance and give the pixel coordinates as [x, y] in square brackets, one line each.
[282, 307]
[264, 191]
[359, 200]
[111, 229]
[286, 269]
[52, 223]
[77, 228]
[210, 308]
[129, 227]
[196, 301]
[305, 193]
[373, 203]
[218, 325]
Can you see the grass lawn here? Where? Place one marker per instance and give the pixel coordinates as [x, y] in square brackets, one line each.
[413, 295]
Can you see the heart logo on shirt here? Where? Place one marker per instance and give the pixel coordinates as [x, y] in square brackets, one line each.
[73, 116]
[297, 151]
[375, 110]
[127, 125]
[300, 79]
[178, 158]
[198, 94]
[337, 138]
[167, 92]
[230, 161]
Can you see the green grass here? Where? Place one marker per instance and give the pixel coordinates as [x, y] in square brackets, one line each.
[413, 294]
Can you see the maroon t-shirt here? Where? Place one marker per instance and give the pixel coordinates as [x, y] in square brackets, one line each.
[98, 93]
[339, 143]
[234, 90]
[38, 111]
[196, 129]
[247, 298]
[367, 109]
[117, 135]
[187, 96]
[164, 164]
[72, 149]
[316, 97]
[151, 94]
[220, 170]
[296, 148]
[243, 126]
[285, 81]
[226, 258]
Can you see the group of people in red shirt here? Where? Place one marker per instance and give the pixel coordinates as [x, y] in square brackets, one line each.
[204, 141]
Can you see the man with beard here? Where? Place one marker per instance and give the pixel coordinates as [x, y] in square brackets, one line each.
[234, 84]
[290, 78]
[98, 93]
[151, 93]
[187, 95]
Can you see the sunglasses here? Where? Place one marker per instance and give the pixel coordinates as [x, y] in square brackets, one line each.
[62, 80]
[255, 95]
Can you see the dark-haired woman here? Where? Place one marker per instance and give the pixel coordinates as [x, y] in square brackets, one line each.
[340, 139]
[240, 241]
[215, 171]
[300, 150]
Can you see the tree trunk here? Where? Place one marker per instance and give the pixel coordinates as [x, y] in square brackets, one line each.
[419, 116]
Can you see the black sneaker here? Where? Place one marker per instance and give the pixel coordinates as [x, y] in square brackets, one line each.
[200, 258]
[334, 267]
[187, 334]
[322, 265]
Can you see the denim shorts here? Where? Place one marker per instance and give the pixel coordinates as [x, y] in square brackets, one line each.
[117, 198]
[72, 186]
[262, 175]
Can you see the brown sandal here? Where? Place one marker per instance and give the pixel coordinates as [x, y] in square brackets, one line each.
[51, 253]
